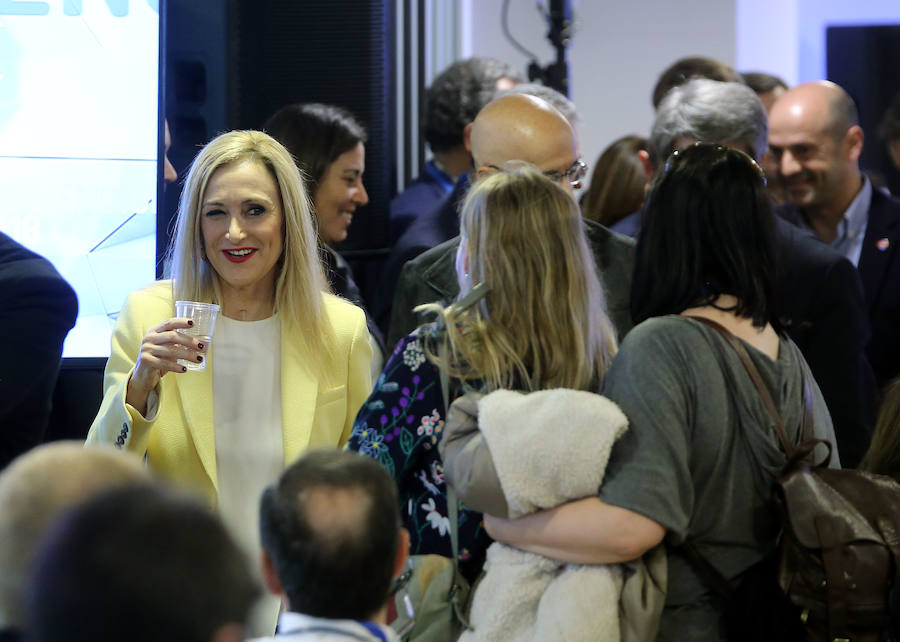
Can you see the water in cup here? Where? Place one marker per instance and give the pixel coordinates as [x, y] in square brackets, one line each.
[204, 317]
[202, 338]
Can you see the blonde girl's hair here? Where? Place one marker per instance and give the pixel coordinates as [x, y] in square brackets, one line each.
[300, 281]
[542, 323]
[883, 456]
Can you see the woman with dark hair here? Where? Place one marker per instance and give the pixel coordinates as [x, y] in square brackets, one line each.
[619, 182]
[698, 460]
[328, 145]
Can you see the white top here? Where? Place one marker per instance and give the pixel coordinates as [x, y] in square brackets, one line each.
[296, 627]
[245, 357]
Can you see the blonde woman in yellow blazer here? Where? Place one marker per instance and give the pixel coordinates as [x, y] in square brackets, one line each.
[245, 240]
[179, 440]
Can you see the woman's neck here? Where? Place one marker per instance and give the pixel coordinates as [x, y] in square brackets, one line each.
[243, 305]
[721, 311]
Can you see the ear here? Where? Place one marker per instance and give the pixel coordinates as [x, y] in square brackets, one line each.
[402, 553]
[644, 156]
[270, 577]
[467, 138]
[854, 141]
[228, 633]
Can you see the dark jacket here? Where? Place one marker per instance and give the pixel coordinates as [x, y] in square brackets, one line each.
[425, 194]
[820, 297]
[39, 309]
[432, 277]
[427, 231]
[879, 269]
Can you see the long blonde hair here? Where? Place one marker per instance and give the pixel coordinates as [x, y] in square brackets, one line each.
[300, 281]
[542, 323]
[883, 456]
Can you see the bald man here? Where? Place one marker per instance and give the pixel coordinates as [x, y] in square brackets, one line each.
[516, 127]
[816, 141]
[34, 491]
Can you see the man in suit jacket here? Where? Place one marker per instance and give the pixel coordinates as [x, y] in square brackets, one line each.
[818, 292]
[816, 141]
[39, 309]
[516, 127]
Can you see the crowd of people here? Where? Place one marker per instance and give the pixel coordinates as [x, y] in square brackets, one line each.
[562, 364]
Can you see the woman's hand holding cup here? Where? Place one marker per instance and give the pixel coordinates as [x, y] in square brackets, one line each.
[161, 349]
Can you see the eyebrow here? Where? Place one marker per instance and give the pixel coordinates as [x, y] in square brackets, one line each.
[255, 199]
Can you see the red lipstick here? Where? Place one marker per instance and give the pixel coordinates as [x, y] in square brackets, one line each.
[239, 254]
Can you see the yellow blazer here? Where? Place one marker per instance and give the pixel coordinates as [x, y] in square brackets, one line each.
[179, 440]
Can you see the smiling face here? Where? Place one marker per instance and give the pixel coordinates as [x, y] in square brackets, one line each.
[339, 192]
[242, 225]
[815, 153]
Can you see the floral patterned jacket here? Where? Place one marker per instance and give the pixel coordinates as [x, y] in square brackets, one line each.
[400, 425]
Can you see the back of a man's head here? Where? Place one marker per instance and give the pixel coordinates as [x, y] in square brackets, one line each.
[708, 111]
[34, 490]
[555, 98]
[142, 564]
[458, 94]
[330, 530]
[523, 128]
[685, 69]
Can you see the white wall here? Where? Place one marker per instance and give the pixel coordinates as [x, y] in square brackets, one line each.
[617, 52]
[620, 46]
[787, 37]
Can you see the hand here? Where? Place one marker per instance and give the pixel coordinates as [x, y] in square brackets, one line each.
[160, 350]
[495, 527]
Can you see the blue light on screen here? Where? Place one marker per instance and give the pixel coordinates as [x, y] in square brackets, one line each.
[78, 146]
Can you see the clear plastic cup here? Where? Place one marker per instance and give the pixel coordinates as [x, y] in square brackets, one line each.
[204, 317]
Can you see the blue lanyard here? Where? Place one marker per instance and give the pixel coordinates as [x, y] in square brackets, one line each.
[375, 630]
[442, 178]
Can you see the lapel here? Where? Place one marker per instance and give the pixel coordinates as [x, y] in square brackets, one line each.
[881, 229]
[195, 391]
[441, 275]
[299, 389]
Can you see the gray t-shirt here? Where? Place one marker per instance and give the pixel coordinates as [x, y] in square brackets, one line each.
[701, 452]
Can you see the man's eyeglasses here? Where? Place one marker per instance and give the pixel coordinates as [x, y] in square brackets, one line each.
[575, 174]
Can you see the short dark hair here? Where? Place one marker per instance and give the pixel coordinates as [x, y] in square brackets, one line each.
[457, 95]
[707, 230]
[761, 82]
[333, 559]
[140, 563]
[689, 68]
[315, 135]
[889, 128]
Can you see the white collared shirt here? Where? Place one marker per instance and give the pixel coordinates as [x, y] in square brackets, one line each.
[296, 627]
[853, 225]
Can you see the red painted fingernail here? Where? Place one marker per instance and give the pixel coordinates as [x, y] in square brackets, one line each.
[199, 358]
[200, 346]
[184, 368]
[190, 322]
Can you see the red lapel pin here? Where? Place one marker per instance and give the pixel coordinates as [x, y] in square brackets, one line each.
[883, 244]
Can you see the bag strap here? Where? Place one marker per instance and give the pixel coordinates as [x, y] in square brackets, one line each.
[761, 388]
[452, 501]
[710, 574]
[452, 505]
